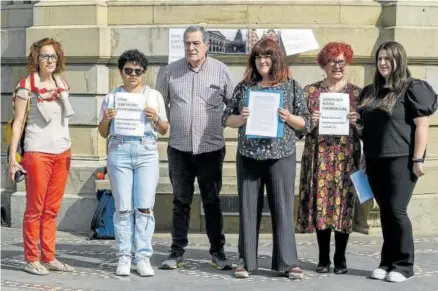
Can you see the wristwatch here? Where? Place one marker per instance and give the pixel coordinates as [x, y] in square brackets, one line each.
[418, 160]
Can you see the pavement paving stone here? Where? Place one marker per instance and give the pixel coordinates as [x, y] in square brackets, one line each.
[95, 263]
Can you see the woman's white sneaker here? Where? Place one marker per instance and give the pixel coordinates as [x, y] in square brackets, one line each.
[379, 274]
[124, 266]
[144, 268]
[396, 277]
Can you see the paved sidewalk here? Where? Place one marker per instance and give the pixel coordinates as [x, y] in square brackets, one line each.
[95, 264]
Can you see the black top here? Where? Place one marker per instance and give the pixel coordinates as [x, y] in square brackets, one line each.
[393, 134]
[269, 148]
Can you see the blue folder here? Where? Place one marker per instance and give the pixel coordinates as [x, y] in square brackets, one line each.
[280, 127]
[362, 186]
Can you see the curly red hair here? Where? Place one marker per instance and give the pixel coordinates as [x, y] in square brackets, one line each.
[332, 50]
[32, 58]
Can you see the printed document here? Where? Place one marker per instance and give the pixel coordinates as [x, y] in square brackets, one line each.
[334, 108]
[263, 117]
[130, 117]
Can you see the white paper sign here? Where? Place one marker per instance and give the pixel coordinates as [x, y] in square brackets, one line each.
[263, 117]
[334, 108]
[176, 44]
[130, 117]
[297, 41]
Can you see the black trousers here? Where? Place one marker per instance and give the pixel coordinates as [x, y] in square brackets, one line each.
[279, 178]
[184, 167]
[392, 182]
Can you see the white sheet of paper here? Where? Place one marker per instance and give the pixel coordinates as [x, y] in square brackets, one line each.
[297, 41]
[176, 44]
[263, 116]
[130, 117]
[334, 108]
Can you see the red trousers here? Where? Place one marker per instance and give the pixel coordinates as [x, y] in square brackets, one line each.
[46, 180]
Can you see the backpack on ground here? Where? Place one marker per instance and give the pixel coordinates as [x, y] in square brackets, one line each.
[102, 225]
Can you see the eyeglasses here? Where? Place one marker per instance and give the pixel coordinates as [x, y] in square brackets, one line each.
[263, 57]
[341, 63]
[137, 72]
[47, 57]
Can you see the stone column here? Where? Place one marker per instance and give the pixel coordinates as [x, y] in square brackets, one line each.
[416, 27]
[81, 27]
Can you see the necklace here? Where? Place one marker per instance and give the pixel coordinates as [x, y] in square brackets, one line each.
[343, 89]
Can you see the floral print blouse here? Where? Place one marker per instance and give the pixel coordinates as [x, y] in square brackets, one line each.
[269, 148]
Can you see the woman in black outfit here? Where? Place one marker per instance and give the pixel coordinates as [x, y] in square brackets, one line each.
[394, 124]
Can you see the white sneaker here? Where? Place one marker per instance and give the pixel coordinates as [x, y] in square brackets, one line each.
[379, 274]
[144, 268]
[396, 277]
[124, 266]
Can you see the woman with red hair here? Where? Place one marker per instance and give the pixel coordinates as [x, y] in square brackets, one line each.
[267, 161]
[327, 196]
[42, 112]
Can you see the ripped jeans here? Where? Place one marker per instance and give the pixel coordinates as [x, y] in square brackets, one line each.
[133, 169]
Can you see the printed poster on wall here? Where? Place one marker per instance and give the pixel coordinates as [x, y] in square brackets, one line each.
[241, 41]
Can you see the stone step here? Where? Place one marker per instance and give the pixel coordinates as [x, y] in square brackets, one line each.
[428, 184]
[228, 169]
[229, 134]
[229, 186]
[77, 212]
[81, 178]
[231, 149]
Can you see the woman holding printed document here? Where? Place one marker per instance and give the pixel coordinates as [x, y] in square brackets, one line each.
[394, 124]
[267, 160]
[131, 117]
[327, 195]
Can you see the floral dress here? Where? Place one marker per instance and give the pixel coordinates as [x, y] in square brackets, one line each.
[327, 195]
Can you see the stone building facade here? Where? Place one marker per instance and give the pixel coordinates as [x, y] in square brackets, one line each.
[95, 32]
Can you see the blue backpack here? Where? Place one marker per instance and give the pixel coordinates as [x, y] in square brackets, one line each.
[102, 225]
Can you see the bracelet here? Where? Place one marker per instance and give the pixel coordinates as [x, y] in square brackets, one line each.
[418, 160]
[360, 127]
[156, 122]
[359, 123]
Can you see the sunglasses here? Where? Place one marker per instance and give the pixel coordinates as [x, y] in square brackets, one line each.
[137, 72]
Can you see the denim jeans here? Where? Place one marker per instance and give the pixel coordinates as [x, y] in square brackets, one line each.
[133, 169]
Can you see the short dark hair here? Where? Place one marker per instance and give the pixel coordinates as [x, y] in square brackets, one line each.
[196, 28]
[133, 56]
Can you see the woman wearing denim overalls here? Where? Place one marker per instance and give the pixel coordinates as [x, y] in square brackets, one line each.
[133, 166]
